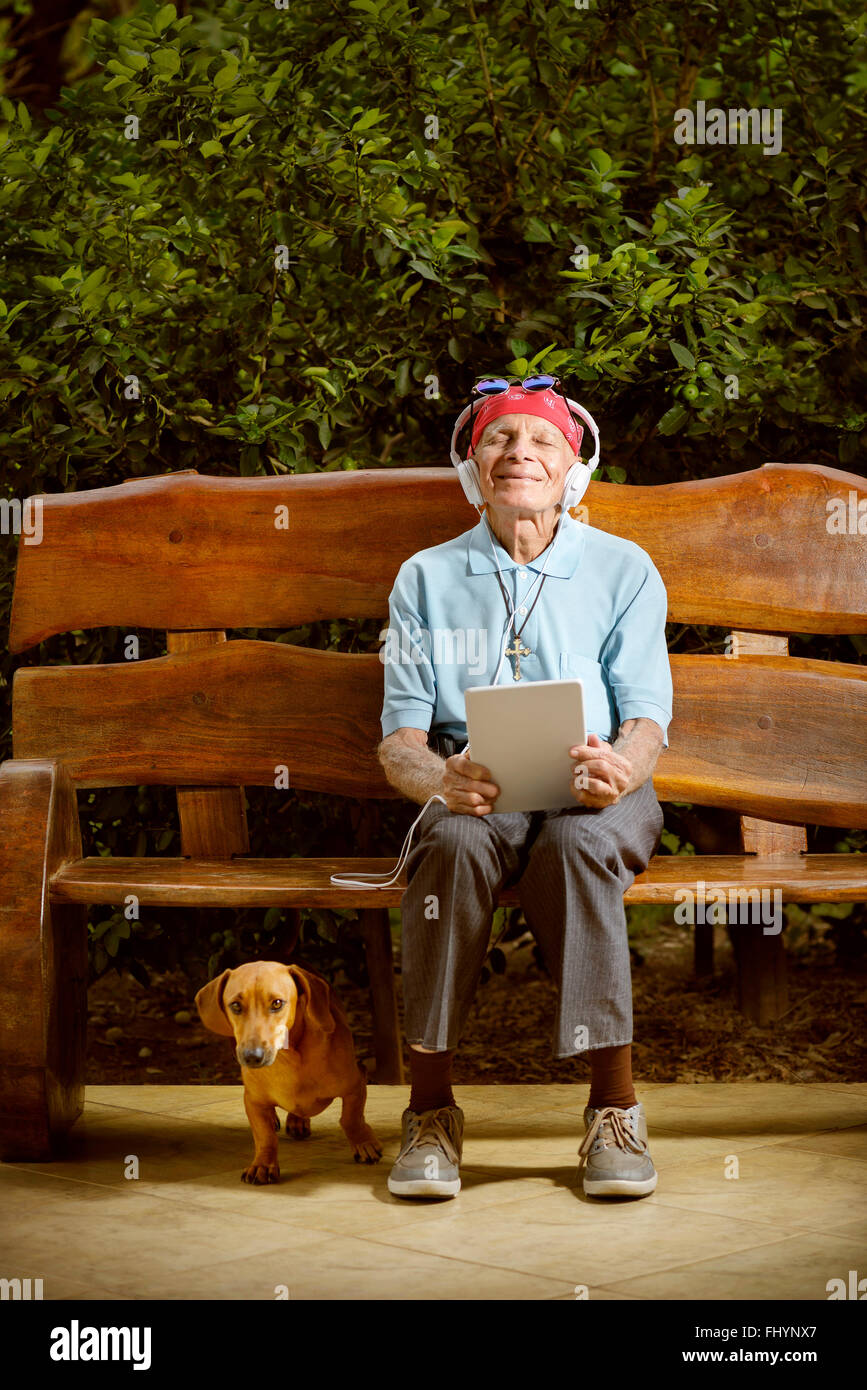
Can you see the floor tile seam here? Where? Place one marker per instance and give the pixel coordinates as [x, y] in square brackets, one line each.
[791, 1229]
[430, 1254]
[617, 1285]
[527, 1273]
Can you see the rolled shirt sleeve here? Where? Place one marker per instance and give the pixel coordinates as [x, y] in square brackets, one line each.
[410, 682]
[635, 656]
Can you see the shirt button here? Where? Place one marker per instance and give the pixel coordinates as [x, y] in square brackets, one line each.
[522, 574]
[522, 609]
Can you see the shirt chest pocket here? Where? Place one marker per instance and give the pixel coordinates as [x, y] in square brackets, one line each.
[599, 709]
[583, 667]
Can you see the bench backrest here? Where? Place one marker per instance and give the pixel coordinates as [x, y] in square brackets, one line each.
[761, 554]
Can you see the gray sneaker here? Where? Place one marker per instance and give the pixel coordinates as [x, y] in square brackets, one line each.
[427, 1165]
[614, 1153]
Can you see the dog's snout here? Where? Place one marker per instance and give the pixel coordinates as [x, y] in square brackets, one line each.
[252, 1056]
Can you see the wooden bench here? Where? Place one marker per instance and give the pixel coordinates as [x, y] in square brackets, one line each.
[780, 740]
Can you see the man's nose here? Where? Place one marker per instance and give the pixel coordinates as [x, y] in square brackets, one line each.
[519, 447]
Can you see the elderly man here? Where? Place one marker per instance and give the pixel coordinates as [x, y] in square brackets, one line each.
[598, 612]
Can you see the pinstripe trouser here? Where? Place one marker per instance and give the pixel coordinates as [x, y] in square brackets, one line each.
[571, 868]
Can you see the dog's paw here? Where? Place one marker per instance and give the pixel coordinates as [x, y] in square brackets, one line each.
[297, 1127]
[368, 1149]
[260, 1174]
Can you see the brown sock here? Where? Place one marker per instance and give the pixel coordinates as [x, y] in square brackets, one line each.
[611, 1077]
[431, 1076]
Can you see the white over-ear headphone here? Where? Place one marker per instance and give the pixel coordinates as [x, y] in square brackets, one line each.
[575, 484]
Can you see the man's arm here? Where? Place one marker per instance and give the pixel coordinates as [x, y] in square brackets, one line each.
[412, 768]
[640, 741]
[415, 770]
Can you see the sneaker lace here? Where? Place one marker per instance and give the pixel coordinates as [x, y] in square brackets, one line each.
[612, 1127]
[438, 1127]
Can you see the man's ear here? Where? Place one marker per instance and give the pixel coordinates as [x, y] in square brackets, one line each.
[317, 997]
[209, 1002]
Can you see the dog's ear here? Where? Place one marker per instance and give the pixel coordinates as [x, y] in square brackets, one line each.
[209, 1002]
[317, 995]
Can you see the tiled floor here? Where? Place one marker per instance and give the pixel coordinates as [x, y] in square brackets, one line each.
[793, 1217]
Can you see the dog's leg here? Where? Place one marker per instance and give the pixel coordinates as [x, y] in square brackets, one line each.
[366, 1148]
[297, 1126]
[264, 1168]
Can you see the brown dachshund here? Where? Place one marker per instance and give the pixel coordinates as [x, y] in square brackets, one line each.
[295, 1050]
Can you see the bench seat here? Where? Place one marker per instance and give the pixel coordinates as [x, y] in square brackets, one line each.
[295, 882]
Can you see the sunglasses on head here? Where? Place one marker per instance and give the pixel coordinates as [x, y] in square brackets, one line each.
[496, 385]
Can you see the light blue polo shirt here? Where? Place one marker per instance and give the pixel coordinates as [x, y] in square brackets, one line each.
[600, 616]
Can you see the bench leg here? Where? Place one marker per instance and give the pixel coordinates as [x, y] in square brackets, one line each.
[703, 949]
[43, 962]
[763, 989]
[380, 968]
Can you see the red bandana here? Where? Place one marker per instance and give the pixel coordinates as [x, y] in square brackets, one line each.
[516, 401]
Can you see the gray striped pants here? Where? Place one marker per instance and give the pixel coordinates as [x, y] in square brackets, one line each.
[571, 868]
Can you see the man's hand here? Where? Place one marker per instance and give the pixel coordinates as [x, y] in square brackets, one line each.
[467, 787]
[601, 775]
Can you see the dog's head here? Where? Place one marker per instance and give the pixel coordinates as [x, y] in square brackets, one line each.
[265, 1006]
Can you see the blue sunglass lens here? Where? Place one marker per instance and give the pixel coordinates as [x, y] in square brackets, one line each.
[538, 383]
[493, 386]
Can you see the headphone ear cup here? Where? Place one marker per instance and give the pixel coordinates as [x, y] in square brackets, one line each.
[468, 472]
[576, 483]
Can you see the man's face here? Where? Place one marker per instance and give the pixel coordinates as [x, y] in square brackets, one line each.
[523, 461]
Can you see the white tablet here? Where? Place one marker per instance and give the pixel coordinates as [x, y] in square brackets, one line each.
[523, 733]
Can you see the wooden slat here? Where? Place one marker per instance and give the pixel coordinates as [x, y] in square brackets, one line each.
[227, 715]
[213, 820]
[204, 552]
[774, 737]
[763, 988]
[306, 882]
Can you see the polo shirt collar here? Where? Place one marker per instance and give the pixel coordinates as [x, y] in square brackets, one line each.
[563, 563]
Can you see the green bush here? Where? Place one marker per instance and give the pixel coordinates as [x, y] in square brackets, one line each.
[255, 240]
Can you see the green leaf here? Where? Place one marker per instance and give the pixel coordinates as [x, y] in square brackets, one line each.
[672, 420]
[226, 76]
[167, 60]
[211, 147]
[367, 120]
[164, 17]
[402, 380]
[536, 230]
[682, 354]
[424, 269]
[95, 278]
[600, 161]
[133, 59]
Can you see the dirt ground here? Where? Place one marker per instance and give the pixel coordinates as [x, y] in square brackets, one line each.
[685, 1030]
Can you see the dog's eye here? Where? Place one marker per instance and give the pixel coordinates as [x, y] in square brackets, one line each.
[277, 1005]
[235, 1006]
